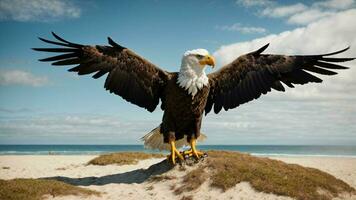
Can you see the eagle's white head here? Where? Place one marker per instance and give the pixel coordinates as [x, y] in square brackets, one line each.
[192, 75]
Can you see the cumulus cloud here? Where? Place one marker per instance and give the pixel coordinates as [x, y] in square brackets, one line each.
[326, 35]
[282, 11]
[37, 10]
[20, 77]
[15, 110]
[249, 3]
[300, 13]
[304, 122]
[308, 16]
[73, 128]
[288, 122]
[242, 29]
[336, 4]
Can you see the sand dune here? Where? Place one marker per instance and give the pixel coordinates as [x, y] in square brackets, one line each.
[132, 181]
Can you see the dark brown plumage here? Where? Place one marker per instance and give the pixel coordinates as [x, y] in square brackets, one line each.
[182, 115]
[253, 74]
[142, 83]
[130, 76]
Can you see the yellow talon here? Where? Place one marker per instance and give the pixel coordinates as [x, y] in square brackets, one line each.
[174, 153]
[193, 151]
[190, 153]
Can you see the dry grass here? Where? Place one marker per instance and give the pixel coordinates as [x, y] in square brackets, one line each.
[226, 169]
[187, 197]
[34, 189]
[192, 181]
[61, 168]
[160, 178]
[230, 168]
[272, 176]
[149, 188]
[123, 158]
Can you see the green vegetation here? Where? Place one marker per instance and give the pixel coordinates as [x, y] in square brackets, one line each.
[123, 158]
[35, 189]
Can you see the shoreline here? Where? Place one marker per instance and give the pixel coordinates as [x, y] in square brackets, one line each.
[163, 152]
[272, 151]
[257, 150]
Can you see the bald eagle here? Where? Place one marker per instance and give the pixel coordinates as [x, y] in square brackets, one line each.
[187, 94]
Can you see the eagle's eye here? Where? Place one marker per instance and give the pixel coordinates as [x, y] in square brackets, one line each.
[199, 56]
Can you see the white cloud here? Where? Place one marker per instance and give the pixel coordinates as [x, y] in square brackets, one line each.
[308, 16]
[336, 4]
[249, 3]
[302, 14]
[288, 122]
[326, 35]
[19, 77]
[304, 122]
[15, 110]
[75, 128]
[242, 29]
[37, 10]
[282, 11]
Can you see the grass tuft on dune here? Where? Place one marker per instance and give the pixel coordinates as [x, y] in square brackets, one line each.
[36, 189]
[192, 181]
[225, 169]
[272, 176]
[123, 158]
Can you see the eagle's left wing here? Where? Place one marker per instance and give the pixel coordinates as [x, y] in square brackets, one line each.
[130, 76]
[253, 74]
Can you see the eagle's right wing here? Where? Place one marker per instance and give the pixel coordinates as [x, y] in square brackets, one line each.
[253, 74]
[130, 76]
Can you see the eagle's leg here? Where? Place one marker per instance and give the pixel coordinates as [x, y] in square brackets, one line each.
[193, 151]
[174, 152]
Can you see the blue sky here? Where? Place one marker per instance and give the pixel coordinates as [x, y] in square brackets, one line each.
[44, 104]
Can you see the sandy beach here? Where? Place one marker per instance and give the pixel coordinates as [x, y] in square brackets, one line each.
[131, 181]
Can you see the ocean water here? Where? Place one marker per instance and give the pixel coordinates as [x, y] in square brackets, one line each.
[259, 150]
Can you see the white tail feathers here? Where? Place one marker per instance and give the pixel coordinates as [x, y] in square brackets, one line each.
[154, 140]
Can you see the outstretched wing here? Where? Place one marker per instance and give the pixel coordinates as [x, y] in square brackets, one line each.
[253, 74]
[130, 76]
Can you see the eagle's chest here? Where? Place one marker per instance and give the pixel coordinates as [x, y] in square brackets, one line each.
[180, 102]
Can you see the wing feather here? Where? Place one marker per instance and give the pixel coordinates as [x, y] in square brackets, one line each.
[59, 57]
[130, 76]
[70, 61]
[319, 70]
[254, 74]
[330, 65]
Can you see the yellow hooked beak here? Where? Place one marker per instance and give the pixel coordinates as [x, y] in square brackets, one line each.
[208, 60]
